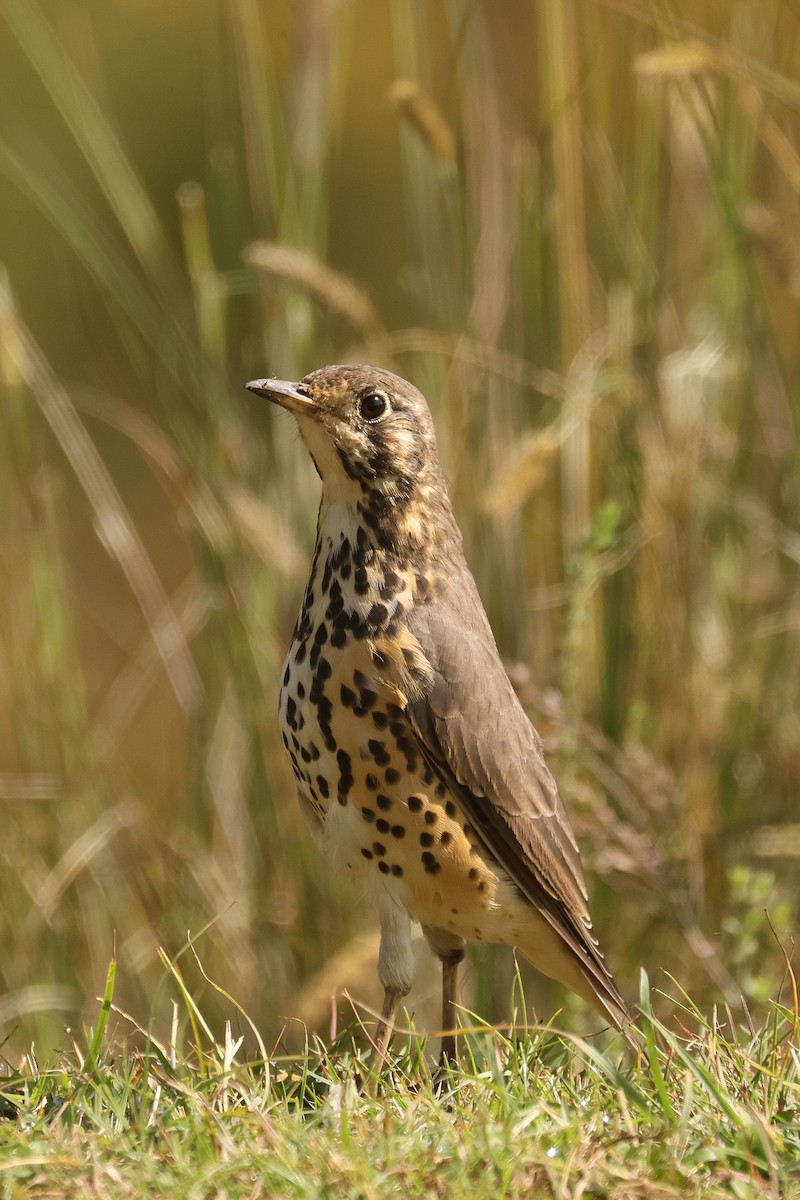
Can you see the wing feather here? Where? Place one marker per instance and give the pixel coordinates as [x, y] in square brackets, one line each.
[475, 735]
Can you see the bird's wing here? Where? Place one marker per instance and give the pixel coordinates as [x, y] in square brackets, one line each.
[475, 735]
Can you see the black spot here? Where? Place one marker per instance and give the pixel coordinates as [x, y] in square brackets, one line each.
[313, 751]
[368, 814]
[383, 802]
[321, 636]
[300, 653]
[473, 872]
[430, 863]
[441, 791]
[360, 679]
[338, 637]
[304, 754]
[379, 849]
[380, 720]
[377, 615]
[391, 775]
[383, 868]
[378, 752]
[324, 669]
[378, 658]
[382, 825]
[390, 583]
[301, 692]
[372, 782]
[367, 853]
[322, 784]
[361, 581]
[291, 709]
[482, 886]
[334, 608]
[426, 839]
[451, 809]
[285, 740]
[397, 869]
[286, 675]
[368, 698]
[344, 570]
[348, 697]
[446, 838]
[359, 627]
[394, 711]
[431, 817]
[427, 775]
[416, 803]
[343, 760]
[296, 744]
[324, 713]
[398, 831]
[345, 776]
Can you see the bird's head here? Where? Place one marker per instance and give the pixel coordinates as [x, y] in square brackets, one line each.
[371, 436]
[368, 431]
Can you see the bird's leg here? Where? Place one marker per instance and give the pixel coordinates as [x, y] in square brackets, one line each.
[450, 964]
[391, 998]
[396, 968]
[450, 951]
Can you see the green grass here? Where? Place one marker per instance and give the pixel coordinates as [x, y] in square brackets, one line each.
[528, 1113]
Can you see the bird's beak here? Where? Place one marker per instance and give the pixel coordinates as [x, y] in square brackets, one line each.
[280, 391]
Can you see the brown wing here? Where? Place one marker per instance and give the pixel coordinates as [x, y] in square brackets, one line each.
[476, 736]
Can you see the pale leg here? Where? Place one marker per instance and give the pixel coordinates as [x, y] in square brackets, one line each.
[396, 967]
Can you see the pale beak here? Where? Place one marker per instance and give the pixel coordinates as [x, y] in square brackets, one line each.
[280, 391]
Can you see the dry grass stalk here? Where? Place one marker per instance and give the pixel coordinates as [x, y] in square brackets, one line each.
[424, 115]
[332, 289]
[115, 527]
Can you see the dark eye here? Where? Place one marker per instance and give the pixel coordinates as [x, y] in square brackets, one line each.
[372, 405]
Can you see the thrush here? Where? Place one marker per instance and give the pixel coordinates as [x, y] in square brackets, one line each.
[417, 769]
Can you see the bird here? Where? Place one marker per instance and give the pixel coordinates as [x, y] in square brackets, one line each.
[417, 769]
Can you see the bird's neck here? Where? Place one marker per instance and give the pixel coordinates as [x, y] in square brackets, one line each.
[406, 525]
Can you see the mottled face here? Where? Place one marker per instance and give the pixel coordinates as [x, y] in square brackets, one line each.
[367, 430]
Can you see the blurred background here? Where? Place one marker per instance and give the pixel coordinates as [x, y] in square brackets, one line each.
[576, 227]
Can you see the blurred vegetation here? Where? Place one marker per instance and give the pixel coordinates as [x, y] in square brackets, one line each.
[575, 226]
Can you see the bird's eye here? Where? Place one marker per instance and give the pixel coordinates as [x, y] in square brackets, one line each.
[372, 405]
